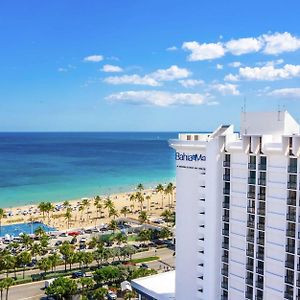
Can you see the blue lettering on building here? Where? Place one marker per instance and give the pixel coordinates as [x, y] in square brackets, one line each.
[190, 157]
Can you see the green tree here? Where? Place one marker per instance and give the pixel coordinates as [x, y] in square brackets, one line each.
[148, 198]
[45, 265]
[43, 208]
[113, 213]
[86, 204]
[86, 284]
[9, 262]
[2, 287]
[54, 260]
[100, 293]
[140, 187]
[39, 232]
[140, 198]
[144, 235]
[26, 240]
[120, 238]
[124, 211]
[160, 189]
[132, 199]
[67, 251]
[2, 215]
[68, 216]
[23, 259]
[62, 288]
[130, 295]
[170, 191]
[113, 225]
[143, 217]
[8, 282]
[165, 233]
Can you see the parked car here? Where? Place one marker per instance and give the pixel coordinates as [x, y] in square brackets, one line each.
[58, 243]
[144, 266]
[111, 295]
[78, 274]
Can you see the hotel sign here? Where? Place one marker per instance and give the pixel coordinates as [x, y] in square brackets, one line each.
[190, 157]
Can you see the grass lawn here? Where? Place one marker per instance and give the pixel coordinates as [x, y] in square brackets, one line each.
[145, 259]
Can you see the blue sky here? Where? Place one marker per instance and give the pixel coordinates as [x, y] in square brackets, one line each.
[145, 65]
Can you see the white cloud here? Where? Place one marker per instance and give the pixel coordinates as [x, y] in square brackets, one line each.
[173, 48]
[293, 93]
[187, 83]
[235, 64]
[174, 72]
[280, 42]
[244, 45]
[219, 66]
[226, 89]
[203, 51]
[151, 79]
[132, 79]
[159, 98]
[111, 69]
[268, 73]
[93, 58]
[270, 62]
[62, 70]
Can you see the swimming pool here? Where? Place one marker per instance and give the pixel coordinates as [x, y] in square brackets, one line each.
[29, 228]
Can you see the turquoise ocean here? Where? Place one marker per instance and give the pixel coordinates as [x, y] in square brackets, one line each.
[37, 167]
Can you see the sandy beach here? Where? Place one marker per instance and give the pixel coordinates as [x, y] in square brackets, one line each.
[89, 216]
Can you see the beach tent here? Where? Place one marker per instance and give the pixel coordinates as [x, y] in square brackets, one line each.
[126, 286]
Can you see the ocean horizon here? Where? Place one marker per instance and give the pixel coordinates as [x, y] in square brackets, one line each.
[58, 166]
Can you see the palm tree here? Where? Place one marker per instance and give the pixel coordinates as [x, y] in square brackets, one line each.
[100, 293]
[132, 199]
[66, 250]
[26, 240]
[140, 198]
[62, 288]
[23, 259]
[130, 295]
[170, 190]
[160, 189]
[54, 261]
[120, 238]
[66, 204]
[113, 225]
[8, 282]
[9, 262]
[124, 211]
[68, 216]
[2, 215]
[43, 208]
[86, 284]
[143, 217]
[2, 287]
[140, 187]
[148, 198]
[35, 249]
[113, 213]
[86, 204]
[39, 232]
[81, 209]
[44, 265]
[108, 204]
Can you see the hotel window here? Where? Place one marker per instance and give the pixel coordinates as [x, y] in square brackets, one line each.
[292, 165]
[252, 162]
[263, 163]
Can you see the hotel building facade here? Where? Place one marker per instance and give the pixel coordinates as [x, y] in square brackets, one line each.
[238, 210]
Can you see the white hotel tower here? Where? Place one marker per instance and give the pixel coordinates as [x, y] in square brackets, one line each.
[238, 211]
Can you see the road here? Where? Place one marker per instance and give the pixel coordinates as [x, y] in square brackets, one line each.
[34, 291]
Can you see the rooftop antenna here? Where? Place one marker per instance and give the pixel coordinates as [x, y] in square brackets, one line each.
[278, 113]
[245, 107]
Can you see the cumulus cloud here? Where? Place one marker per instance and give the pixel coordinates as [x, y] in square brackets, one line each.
[173, 48]
[271, 44]
[111, 69]
[151, 79]
[235, 64]
[132, 79]
[270, 62]
[244, 45]
[268, 73]
[187, 83]
[93, 58]
[203, 51]
[293, 93]
[280, 42]
[159, 98]
[62, 70]
[219, 66]
[226, 89]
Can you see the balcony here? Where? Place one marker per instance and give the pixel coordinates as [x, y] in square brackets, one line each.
[225, 245]
[291, 217]
[225, 232]
[226, 164]
[225, 259]
[226, 177]
[261, 226]
[225, 218]
[249, 267]
[260, 255]
[292, 169]
[226, 205]
[290, 249]
[251, 166]
[262, 167]
[288, 295]
[251, 180]
[260, 241]
[260, 285]
[260, 271]
[289, 264]
[225, 272]
[262, 196]
[226, 191]
[251, 195]
[292, 185]
[291, 201]
[291, 233]
[251, 209]
[250, 238]
[262, 181]
[248, 295]
[289, 280]
[250, 224]
[250, 253]
[249, 280]
[261, 211]
[224, 285]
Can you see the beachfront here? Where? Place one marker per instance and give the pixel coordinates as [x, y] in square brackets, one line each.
[144, 205]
